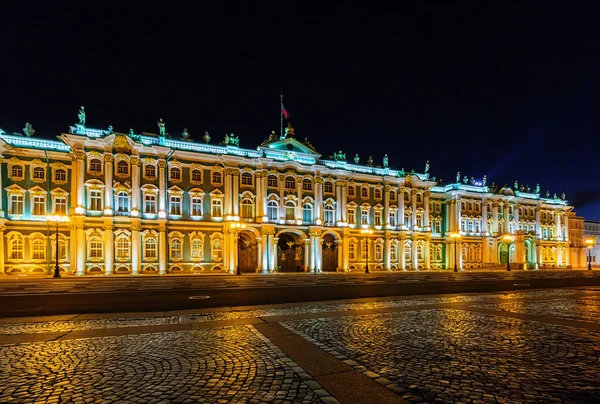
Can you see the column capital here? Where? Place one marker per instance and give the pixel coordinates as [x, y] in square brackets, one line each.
[78, 155]
[136, 228]
[162, 163]
[319, 180]
[109, 227]
[135, 161]
[108, 158]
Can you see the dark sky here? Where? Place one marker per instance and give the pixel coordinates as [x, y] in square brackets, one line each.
[507, 89]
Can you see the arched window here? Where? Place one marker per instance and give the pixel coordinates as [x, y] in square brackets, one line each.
[96, 247]
[351, 215]
[247, 208]
[122, 202]
[95, 200]
[406, 196]
[307, 184]
[175, 174]
[272, 180]
[197, 248]
[393, 218]
[150, 171]
[364, 192]
[217, 178]
[217, 248]
[290, 211]
[328, 187]
[122, 245]
[272, 211]
[60, 175]
[246, 178]
[392, 196]
[39, 249]
[16, 249]
[419, 198]
[307, 213]
[16, 171]
[351, 192]
[175, 249]
[96, 165]
[329, 215]
[377, 193]
[122, 167]
[438, 253]
[196, 175]
[378, 251]
[394, 252]
[150, 248]
[62, 250]
[352, 251]
[419, 252]
[290, 182]
[39, 173]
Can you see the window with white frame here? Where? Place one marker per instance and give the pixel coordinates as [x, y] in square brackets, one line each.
[150, 203]
[392, 195]
[470, 226]
[420, 252]
[364, 215]
[437, 226]
[438, 252]
[175, 249]
[96, 166]
[306, 184]
[175, 205]
[378, 251]
[329, 215]
[363, 249]
[96, 247]
[17, 204]
[16, 172]
[216, 207]
[246, 179]
[122, 245]
[38, 249]
[307, 213]
[290, 210]
[60, 205]
[406, 196]
[328, 187]
[150, 171]
[196, 176]
[122, 202]
[393, 252]
[272, 180]
[39, 205]
[15, 248]
[216, 249]
[175, 174]
[272, 211]
[197, 248]
[150, 248]
[393, 222]
[352, 251]
[407, 218]
[351, 215]
[95, 200]
[419, 198]
[463, 225]
[196, 206]
[477, 226]
[62, 249]
[122, 167]
[290, 182]
[378, 220]
[60, 175]
[247, 208]
[39, 174]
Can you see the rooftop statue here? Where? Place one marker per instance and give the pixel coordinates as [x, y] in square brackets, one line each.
[81, 116]
[385, 161]
[356, 158]
[555, 197]
[547, 194]
[537, 188]
[289, 131]
[433, 179]
[133, 135]
[563, 196]
[161, 127]
[458, 177]
[412, 172]
[108, 131]
[465, 179]
[402, 173]
[516, 188]
[472, 181]
[185, 134]
[231, 140]
[339, 156]
[206, 137]
[528, 188]
[427, 167]
[370, 161]
[28, 130]
[484, 180]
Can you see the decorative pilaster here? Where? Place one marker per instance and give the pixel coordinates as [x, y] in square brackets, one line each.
[265, 193]
[338, 204]
[386, 252]
[80, 181]
[506, 218]
[2, 230]
[162, 191]
[259, 260]
[386, 206]
[484, 220]
[109, 248]
[516, 217]
[228, 209]
[485, 249]
[135, 186]
[401, 250]
[81, 247]
[344, 195]
[299, 196]
[236, 192]
[108, 184]
[275, 258]
[413, 209]
[426, 217]
[162, 248]
[318, 200]
[346, 249]
[1, 211]
[136, 250]
[538, 225]
[557, 218]
[260, 211]
[495, 226]
[426, 253]
[400, 218]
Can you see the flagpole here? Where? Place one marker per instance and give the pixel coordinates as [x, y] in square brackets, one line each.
[281, 114]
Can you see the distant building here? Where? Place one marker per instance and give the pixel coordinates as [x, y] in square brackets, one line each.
[145, 203]
[591, 230]
[577, 247]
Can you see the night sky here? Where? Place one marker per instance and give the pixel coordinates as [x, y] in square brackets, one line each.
[504, 89]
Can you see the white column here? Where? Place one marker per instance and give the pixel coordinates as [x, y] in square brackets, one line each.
[260, 212]
[274, 255]
[413, 208]
[228, 193]
[459, 252]
[413, 255]
[299, 196]
[426, 213]
[108, 184]
[80, 162]
[484, 221]
[311, 253]
[566, 228]
[401, 251]
[346, 249]
[516, 217]
[236, 192]
[319, 200]
[81, 247]
[338, 204]
[344, 191]
[161, 188]
[2, 229]
[485, 250]
[427, 255]
[162, 250]
[534, 251]
[136, 253]
[386, 206]
[1, 211]
[506, 219]
[135, 186]
[386, 253]
[557, 218]
[306, 254]
[259, 267]
[538, 226]
[265, 192]
[400, 214]
[108, 249]
[495, 229]
[317, 251]
[457, 216]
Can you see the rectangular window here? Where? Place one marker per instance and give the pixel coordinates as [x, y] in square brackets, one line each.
[352, 251]
[196, 206]
[39, 205]
[351, 216]
[60, 205]
[96, 248]
[150, 204]
[438, 227]
[393, 253]
[329, 213]
[216, 208]
[150, 248]
[95, 200]
[351, 192]
[175, 205]
[122, 248]
[393, 219]
[364, 216]
[377, 218]
[307, 213]
[378, 251]
[16, 205]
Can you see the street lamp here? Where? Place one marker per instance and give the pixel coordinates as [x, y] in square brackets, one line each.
[367, 232]
[455, 236]
[57, 219]
[508, 239]
[590, 243]
[237, 227]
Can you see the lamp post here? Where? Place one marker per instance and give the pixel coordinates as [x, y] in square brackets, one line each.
[367, 232]
[455, 236]
[589, 243]
[237, 227]
[57, 219]
[508, 239]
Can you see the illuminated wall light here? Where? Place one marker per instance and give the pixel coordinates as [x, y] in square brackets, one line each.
[162, 214]
[108, 211]
[79, 210]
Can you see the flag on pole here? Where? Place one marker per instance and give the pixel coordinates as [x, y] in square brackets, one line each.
[284, 112]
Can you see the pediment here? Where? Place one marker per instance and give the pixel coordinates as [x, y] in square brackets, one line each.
[291, 145]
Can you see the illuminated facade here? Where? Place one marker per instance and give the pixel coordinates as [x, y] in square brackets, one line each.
[146, 203]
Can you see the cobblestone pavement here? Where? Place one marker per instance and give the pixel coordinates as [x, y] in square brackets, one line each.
[450, 356]
[583, 309]
[227, 365]
[80, 325]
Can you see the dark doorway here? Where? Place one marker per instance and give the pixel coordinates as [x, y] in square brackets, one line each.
[247, 253]
[329, 253]
[290, 256]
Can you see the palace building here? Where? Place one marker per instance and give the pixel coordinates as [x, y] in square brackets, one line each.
[142, 203]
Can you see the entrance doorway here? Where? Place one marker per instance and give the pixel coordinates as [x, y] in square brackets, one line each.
[247, 253]
[329, 253]
[290, 257]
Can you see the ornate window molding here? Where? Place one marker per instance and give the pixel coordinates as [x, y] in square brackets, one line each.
[150, 242]
[122, 166]
[175, 207]
[150, 200]
[95, 195]
[378, 194]
[328, 187]
[175, 246]
[351, 214]
[196, 174]
[122, 198]
[216, 176]
[122, 245]
[247, 205]
[246, 179]
[216, 205]
[16, 201]
[16, 246]
[216, 246]
[175, 172]
[365, 214]
[196, 245]
[16, 169]
[150, 169]
[60, 201]
[272, 180]
[364, 191]
[95, 244]
[329, 212]
[37, 171]
[307, 184]
[196, 203]
[59, 173]
[95, 163]
[37, 202]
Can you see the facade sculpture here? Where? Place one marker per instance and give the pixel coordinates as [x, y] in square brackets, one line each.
[138, 204]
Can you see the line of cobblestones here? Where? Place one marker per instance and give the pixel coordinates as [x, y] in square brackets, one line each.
[227, 365]
[450, 356]
[82, 325]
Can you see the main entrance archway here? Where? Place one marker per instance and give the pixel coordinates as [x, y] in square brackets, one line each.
[247, 252]
[290, 253]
